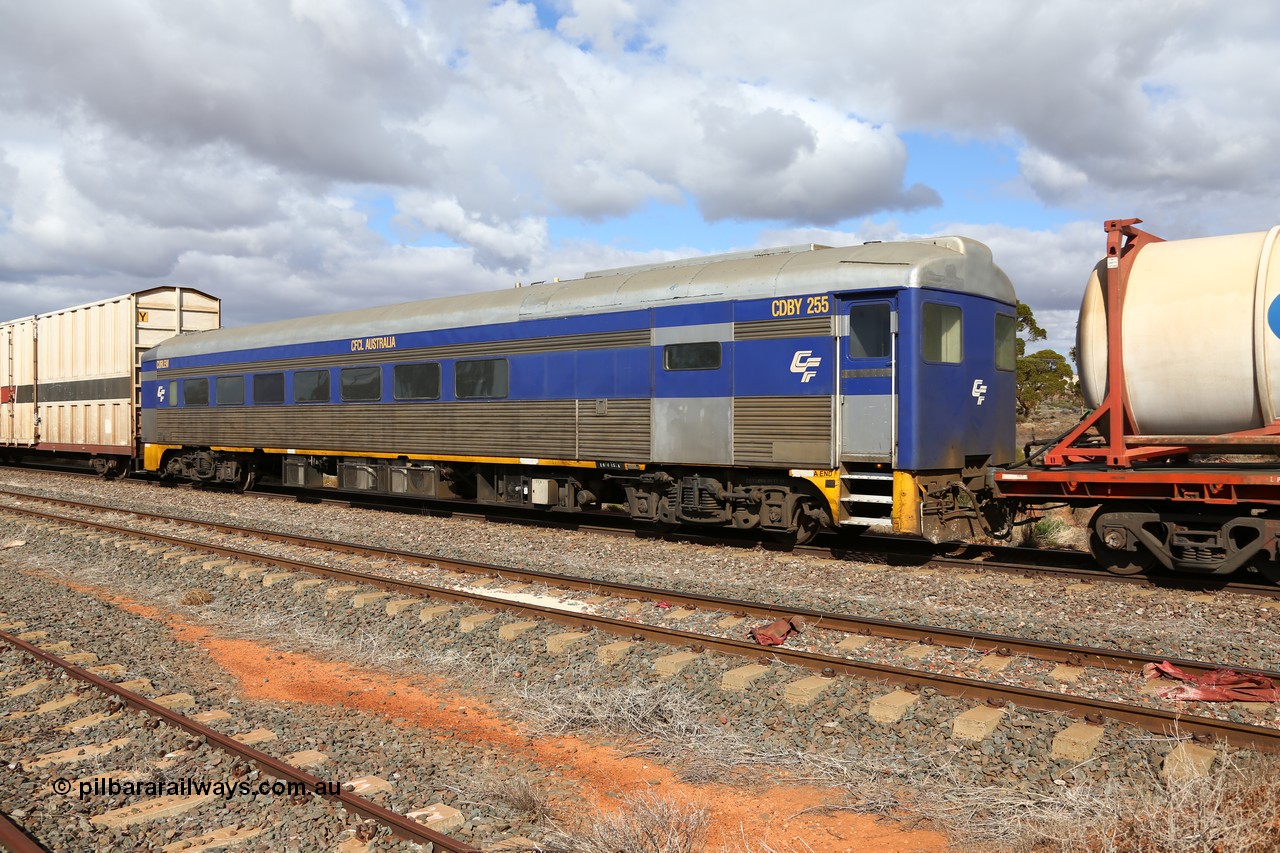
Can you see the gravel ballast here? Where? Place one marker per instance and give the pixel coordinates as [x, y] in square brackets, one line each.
[691, 718]
[423, 766]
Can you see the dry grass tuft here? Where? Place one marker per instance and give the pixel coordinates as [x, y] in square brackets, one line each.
[645, 823]
[196, 597]
[1048, 532]
[520, 795]
[523, 797]
[629, 709]
[1236, 809]
[670, 725]
[1059, 528]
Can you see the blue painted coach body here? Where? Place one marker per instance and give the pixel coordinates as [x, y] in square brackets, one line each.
[942, 413]
[950, 412]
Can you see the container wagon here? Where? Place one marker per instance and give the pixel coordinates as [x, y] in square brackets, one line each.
[69, 379]
[1179, 346]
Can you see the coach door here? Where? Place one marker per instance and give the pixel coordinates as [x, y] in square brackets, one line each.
[868, 381]
[693, 394]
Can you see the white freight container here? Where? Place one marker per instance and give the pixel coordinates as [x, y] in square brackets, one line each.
[71, 376]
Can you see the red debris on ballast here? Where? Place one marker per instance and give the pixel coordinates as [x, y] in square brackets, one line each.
[776, 633]
[1220, 685]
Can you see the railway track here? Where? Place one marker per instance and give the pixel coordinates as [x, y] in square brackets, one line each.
[288, 783]
[872, 547]
[896, 550]
[828, 659]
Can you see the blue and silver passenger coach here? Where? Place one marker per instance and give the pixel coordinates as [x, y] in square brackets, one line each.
[787, 390]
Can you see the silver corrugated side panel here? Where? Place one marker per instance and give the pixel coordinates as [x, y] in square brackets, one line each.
[791, 431]
[505, 428]
[614, 430]
[544, 429]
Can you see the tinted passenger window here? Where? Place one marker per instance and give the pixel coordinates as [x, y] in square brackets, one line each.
[415, 381]
[195, 392]
[360, 384]
[480, 379]
[173, 393]
[1006, 342]
[311, 386]
[870, 335]
[229, 390]
[942, 327]
[268, 388]
[704, 355]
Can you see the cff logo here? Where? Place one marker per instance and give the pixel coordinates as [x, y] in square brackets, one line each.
[806, 364]
[160, 394]
[979, 390]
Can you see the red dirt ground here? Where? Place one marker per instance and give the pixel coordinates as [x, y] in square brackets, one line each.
[770, 815]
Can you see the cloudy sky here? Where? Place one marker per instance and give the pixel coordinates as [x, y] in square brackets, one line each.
[301, 156]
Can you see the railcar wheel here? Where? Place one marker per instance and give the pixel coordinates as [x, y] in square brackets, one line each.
[1119, 561]
[108, 467]
[1268, 568]
[806, 528]
[664, 520]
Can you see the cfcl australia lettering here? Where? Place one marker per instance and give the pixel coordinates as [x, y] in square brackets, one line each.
[372, 344]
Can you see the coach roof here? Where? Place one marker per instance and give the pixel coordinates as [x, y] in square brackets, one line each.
[945, 263]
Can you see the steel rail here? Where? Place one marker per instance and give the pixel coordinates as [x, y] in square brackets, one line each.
[927, 634]
[400, 825]
[1152, 719]
[15, 839]
[831, 545]
[1008, 559]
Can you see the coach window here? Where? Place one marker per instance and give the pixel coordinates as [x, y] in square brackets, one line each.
[173, 392]
[229, 391]
[870, 335]
[942, 341]
[478, 380]
[704, 355]
[1006, 342]
[195, 392]
[416, 381]
[311, 386]
[360, 384]
[268, 388]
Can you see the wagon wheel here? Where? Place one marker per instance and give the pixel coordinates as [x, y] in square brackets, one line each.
[112, 470]
[1118, 561]
[1268, 567]
[806, 528]
[248, 477]
[664, 519]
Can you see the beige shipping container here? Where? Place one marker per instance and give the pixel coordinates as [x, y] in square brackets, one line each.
[17, 361]
[72, 381]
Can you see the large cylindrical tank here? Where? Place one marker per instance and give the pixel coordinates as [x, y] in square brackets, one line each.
[1201, 335]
